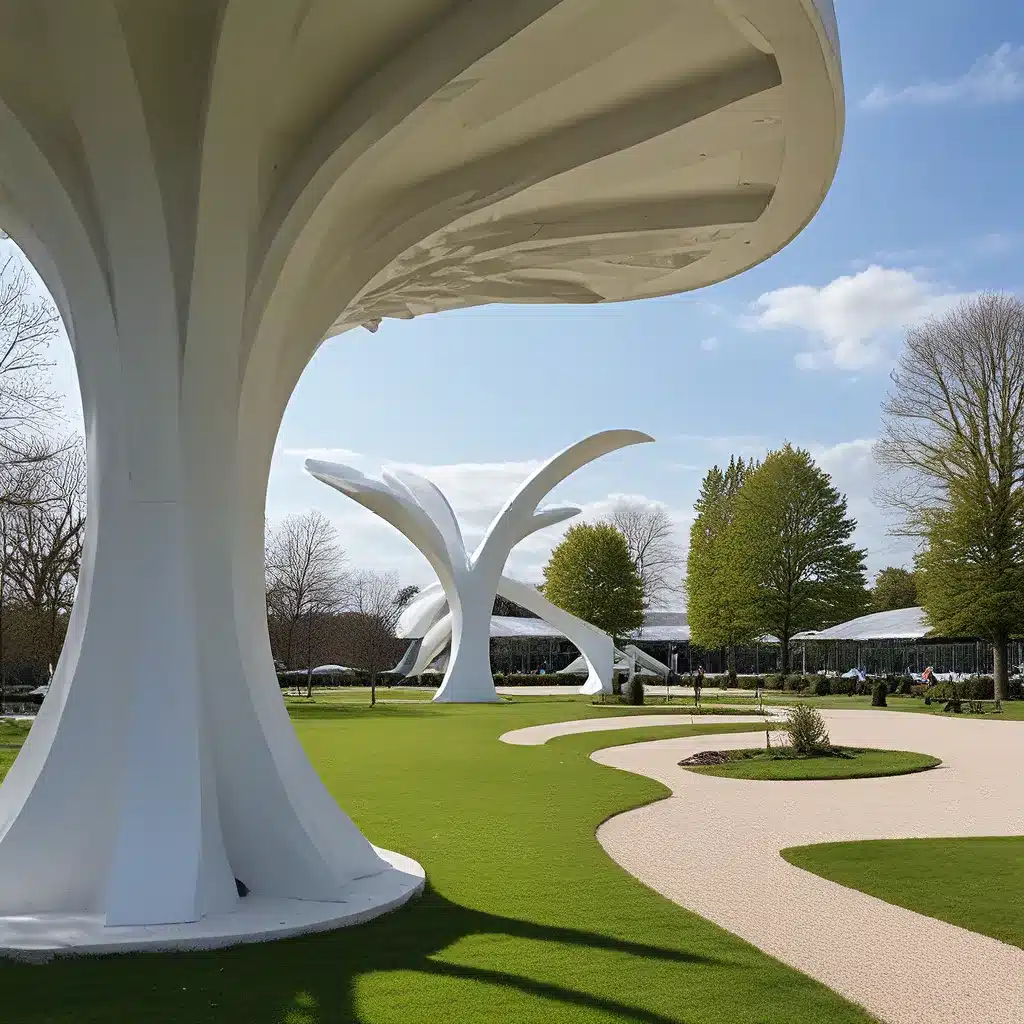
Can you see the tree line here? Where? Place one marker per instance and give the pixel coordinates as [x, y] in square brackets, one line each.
[42, 488]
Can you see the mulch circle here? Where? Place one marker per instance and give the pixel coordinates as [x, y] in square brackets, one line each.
[703, 757]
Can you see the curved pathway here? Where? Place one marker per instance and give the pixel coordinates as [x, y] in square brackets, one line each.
[713, 847]
[535, 735]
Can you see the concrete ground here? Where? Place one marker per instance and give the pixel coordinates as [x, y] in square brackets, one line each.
[713, 847]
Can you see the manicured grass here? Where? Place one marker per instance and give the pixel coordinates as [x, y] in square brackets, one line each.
[525, 917]
[976, 883]
[846, 763]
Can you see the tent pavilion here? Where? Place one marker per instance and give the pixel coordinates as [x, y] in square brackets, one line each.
[893, 643]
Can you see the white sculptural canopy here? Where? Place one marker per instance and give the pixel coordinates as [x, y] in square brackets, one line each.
[208, 190]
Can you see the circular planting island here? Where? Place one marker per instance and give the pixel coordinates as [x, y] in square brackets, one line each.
[783, 765]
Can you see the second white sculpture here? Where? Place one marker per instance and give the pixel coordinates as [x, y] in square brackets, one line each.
[419, 510]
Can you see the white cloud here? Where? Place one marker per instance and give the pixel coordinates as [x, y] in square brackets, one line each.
[854, 319]
[995, 78]
[709, 344]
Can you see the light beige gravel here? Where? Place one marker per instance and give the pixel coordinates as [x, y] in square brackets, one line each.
[535, 735]
[713, 847]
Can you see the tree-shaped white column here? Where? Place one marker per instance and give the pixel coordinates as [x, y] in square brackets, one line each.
[209, 189]
[428, 620]
[418, 509]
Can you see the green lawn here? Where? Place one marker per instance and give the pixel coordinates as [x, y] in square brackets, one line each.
[976, 883]
[525, 918]
[758, 764]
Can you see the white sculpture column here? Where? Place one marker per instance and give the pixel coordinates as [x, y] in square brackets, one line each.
[208, 191]
[428, 620]
[419, 510]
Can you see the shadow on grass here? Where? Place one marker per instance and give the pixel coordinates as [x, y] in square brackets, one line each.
[312, 979]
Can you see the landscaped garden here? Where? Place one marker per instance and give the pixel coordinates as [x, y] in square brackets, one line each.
[976, 883]
[525, 918]
[781, 764]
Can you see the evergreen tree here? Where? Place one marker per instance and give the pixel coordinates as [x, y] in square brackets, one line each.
[894, 588]
[718, 594]
[591, 575]
[790, 544]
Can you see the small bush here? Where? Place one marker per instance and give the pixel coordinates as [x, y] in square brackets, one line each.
[633, 690]
[821, 686]
[807, 732]
[918, 690]
[775, 681]
[751, 682]
[905, 686]
[794, 683]
[878, 694]
[840, 686]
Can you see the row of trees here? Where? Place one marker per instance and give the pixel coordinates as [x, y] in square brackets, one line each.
[42, 487]
[771, 553]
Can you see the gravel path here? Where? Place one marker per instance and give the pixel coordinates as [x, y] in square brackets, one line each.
[535, 735]
[713, 847]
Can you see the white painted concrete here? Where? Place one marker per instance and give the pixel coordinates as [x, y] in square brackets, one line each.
[597, 649]
[416, 507]
[713, 847]
[41, 937]
[296, 169]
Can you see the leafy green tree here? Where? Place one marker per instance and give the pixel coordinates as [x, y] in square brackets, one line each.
[971, 579]
[591, 575]
[718, 593]
[894, 588]
[953, 441]
[790, 542]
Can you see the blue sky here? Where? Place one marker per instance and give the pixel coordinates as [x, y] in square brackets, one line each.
[927, 206]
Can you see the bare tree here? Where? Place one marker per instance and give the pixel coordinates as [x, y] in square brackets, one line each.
[953, 445]
[28, 404]
[649, 533]
[47, 537]
[306, 579]
[376, 604]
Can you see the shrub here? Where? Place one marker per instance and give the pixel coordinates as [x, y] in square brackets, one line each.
[842, 687]
[807, 732]
[633, 690]
[821, 686]
[878, 693]
[794, 683]
[775, 681]
[918, 690]
[751, 682]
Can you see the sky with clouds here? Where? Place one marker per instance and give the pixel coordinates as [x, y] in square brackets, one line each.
[927, 207]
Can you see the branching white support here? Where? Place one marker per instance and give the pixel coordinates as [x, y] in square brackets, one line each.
[419, 510]
[429, 619]
[203, 220]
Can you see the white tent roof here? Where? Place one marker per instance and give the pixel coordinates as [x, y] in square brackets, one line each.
[902, 624]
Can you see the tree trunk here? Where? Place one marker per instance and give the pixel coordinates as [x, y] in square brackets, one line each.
[1000, 665]
[373, 688]
[785, 655]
